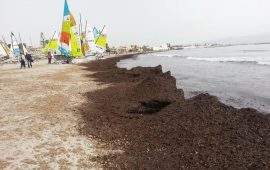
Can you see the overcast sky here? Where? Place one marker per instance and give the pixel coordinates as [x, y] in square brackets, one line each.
[150, 22]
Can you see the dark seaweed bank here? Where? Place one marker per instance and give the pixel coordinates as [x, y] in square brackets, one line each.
[143, 114]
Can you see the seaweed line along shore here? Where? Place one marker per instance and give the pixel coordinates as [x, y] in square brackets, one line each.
[143, 114]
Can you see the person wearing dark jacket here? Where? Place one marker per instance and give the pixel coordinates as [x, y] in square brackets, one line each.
[29, 60]
[22, 60]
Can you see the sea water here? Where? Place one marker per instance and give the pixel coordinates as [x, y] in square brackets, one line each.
[238, 75]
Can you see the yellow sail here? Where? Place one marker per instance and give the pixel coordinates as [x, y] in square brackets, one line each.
[84, 45]
[52, 45]
[102, 41]
[76, 50]
[75, 46]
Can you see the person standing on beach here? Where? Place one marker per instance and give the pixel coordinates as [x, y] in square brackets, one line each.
[29, 60]
[22, 60]
[67, 59]
[49, 57]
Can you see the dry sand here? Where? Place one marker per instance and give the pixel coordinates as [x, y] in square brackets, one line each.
[39, 119]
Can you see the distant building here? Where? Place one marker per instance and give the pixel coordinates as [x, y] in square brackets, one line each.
[122, 49]
[133, 49]
[163, 47]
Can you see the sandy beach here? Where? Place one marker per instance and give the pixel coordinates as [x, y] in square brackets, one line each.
[39, 119]
[175, 85]
[99, 116]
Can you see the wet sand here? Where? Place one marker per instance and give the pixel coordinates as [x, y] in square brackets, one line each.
[144, 115]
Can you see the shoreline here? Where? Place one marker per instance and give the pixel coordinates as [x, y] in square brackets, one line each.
[232, 82]
[143, 114]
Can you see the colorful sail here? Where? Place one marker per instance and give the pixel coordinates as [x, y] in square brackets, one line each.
[76, 50]
[15, 46]
[96, 40]
[75, 46]
[52, 45]
[101, 40]
[65, 34]
[84, 44]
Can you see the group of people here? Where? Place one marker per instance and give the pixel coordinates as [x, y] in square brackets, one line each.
[26, 58]
[29, 59]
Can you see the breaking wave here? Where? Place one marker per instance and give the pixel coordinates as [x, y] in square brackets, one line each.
[254, 51]
[164, 55]
[260, 61]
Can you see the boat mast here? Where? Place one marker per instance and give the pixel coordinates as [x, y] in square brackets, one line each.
[12, 42]
[85, 29]
[62, 27]
[84, 39]
[80, 25]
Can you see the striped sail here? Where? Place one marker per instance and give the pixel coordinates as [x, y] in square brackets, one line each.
[65, 34]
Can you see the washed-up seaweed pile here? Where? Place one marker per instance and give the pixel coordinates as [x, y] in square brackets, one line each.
[143, 114]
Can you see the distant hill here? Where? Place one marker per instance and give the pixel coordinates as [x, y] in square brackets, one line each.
[259, 38]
